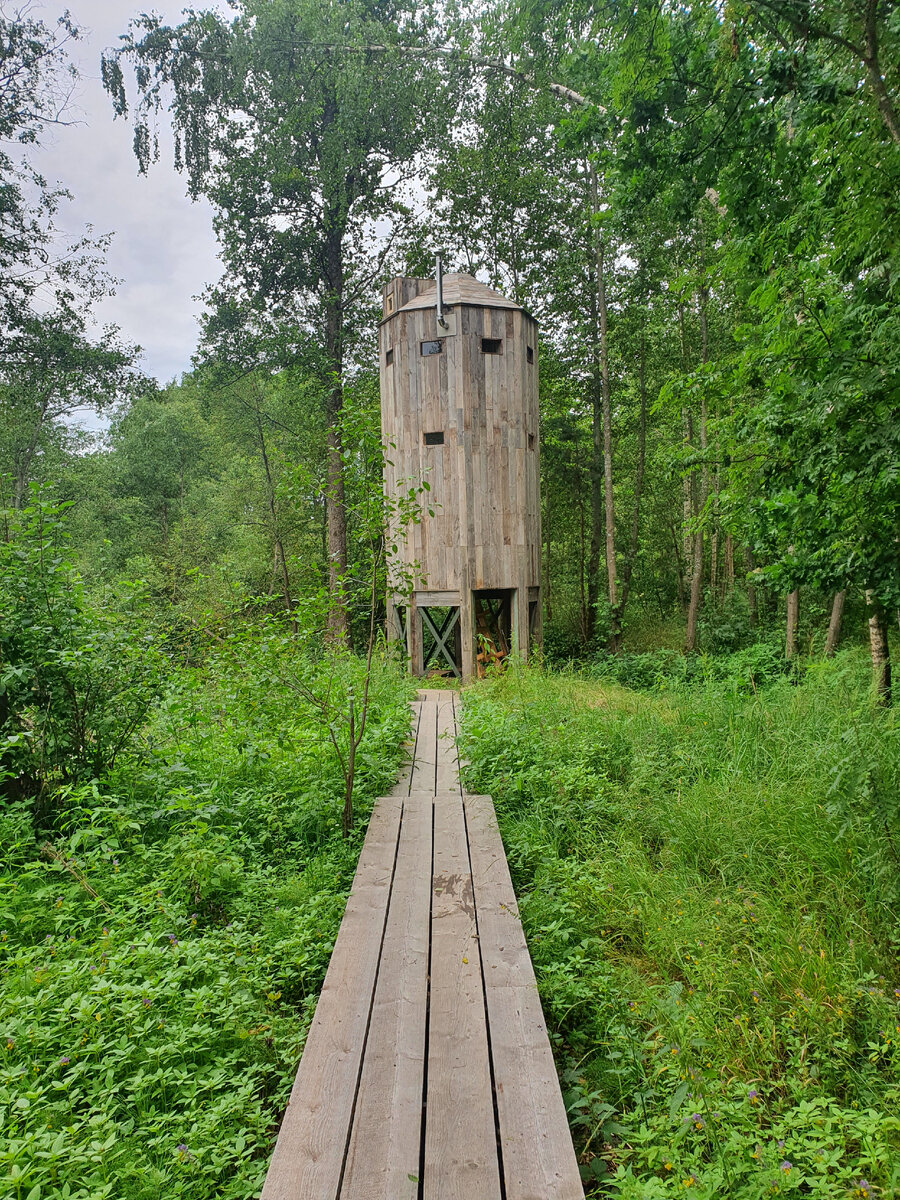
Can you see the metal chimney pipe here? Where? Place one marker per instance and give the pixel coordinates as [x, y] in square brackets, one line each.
[439, 280]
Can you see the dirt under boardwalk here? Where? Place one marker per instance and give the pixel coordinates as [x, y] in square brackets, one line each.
[427, 1073]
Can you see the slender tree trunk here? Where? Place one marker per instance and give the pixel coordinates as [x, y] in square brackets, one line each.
[609, 513]
[688, 483]
[881, 654]
[834, 625]
[548, 607]
[596, 474]
[729, 564]
[688, 486]
[587, 612]
[280, 556]
[631, 556]
[23, 465]
[680, 569]
[693, 617]
[791, 622]
[690, 641]
[752, 604]
[337, 200]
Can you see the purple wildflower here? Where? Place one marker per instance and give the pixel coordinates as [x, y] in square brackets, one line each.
[63, 1062]
[786, 1166]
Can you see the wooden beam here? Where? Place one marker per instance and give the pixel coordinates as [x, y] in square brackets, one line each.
[460, 1133]
[538, 1157]
[309, 1154]
[385, 1143]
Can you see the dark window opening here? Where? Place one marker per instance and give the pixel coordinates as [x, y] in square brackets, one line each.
[435, 439]
[492, 345]
[390, 303]
[431, 348]
[389, 357]
[531, 441]
[529, 353]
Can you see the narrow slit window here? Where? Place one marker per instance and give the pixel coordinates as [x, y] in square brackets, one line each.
[531, 441]
[435, 439]
[389, 356]
[492, 345]
[431, 348]
[529, 353]
[390, 303]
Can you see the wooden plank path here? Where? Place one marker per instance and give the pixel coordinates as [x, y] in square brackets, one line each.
[427, 1073]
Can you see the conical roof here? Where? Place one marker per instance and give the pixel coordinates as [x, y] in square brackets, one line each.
[460, 289]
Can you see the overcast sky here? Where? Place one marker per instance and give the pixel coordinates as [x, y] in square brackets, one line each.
[163, 250]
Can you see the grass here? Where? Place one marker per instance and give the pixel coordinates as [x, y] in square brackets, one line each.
[150, 1027]
[708, 880]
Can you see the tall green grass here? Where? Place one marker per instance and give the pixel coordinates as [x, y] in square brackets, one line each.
[709, 882]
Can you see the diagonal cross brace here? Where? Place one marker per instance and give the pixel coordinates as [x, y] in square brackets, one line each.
[440, 638]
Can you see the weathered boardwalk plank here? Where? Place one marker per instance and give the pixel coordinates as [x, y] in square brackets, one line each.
[460, 1136]
[427, 1073]
[383, 1158]
[309, 1156]
[539, 1161]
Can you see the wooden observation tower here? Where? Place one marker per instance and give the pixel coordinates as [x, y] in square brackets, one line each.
[459, 411]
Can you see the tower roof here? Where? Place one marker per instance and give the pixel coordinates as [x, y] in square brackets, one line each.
[460, 289]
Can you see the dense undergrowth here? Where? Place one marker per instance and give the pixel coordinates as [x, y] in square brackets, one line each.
[165, 930]
[710, 885]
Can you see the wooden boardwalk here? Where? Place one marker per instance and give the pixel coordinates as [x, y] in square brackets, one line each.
[427, 1073]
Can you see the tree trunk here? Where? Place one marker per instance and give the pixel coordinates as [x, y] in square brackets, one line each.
[690, 637]
[690, 640]
[790, 633]
[335, 509]
[729, 564]
[631, 556]
[688, 505]
[280, 556]
[752, 605]
[881, 654]
[596, 476]
[548, 605]
[834, 625]
[609, 515]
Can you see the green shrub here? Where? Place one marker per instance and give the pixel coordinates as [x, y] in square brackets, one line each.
[75, 683]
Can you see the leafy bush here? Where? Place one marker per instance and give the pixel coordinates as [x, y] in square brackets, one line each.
[75, 683]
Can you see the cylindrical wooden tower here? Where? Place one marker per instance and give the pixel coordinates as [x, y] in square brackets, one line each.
[459, 411]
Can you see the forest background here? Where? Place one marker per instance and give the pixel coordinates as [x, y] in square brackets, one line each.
[699, 204]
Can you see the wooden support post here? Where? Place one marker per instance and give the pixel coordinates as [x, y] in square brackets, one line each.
[467, 634]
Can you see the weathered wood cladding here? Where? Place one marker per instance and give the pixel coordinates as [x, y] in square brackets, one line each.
[484, 478]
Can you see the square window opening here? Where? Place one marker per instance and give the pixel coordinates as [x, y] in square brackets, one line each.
[529, 354]
[427, 348]
[435, 439]
[389, 356]
[492, 345]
